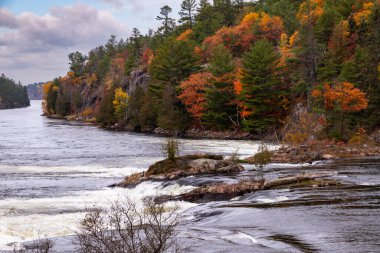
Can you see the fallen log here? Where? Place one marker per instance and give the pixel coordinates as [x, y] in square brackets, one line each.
[219, 192]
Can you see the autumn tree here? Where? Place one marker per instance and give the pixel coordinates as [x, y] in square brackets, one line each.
[238, 39]
[51, 90]
[193, 92]
[187, 12]
[261, 87]
[341, 98]
[120, 103]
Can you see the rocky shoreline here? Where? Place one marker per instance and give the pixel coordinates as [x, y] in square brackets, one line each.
[191, 133]
[321, 151]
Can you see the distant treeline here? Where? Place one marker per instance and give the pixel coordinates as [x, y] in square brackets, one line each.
[12, 95]
[35, 91]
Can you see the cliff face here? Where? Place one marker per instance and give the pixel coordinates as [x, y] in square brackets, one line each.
[138, 78]
[85, 96]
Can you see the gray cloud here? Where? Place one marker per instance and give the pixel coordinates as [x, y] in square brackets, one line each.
[35, 46]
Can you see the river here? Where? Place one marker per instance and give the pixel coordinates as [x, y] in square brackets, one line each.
[52, 170]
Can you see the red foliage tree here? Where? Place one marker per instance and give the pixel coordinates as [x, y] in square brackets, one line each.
[193, 93]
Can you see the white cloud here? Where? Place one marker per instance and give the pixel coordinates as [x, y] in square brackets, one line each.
[34, 48]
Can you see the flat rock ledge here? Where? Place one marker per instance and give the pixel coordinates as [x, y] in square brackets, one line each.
[320, 151]
[184, 166]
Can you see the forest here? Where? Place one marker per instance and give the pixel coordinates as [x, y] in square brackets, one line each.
[299, 70]
[12, 95]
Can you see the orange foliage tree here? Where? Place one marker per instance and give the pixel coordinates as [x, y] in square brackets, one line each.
[147, 56]
[193, 93]
[186, 35]
[342, 97]
[239, 39]
[309, 11]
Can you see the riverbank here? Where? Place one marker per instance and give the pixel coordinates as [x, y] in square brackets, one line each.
[322, 150]
[191, 133]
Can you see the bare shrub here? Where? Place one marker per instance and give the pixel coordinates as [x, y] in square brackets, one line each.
[126, 228]
[235, 156]
[38, 246]
[171, 149]
[360, 137]
[262, 157]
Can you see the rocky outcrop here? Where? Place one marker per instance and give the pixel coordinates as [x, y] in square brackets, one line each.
[219, 192]
[183, 167]
[138, 78]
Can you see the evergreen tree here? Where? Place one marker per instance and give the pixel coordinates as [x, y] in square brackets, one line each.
[134, 106]
[207, 20]
[187, 12]
[227, 11]
[77, 61]
[62, 105]
[221, 110]
[260, 87]
[172, 115]
[221, 62]
[167, 22]
[174, 61]
[106, 110]
[12, 95]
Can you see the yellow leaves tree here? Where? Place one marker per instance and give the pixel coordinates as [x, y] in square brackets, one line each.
[120, 103]
[309, 11]
[363, 14]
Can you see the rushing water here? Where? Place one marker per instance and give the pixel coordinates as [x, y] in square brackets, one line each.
[51, 170]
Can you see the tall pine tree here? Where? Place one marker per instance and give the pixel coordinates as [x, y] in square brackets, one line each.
[221, 109]
[261, 87]
[187, 12]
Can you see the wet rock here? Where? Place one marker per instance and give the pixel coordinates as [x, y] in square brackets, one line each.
[327, 156]
[223, 191]
[183, 167]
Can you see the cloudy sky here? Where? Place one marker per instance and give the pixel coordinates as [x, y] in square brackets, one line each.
[37, 35]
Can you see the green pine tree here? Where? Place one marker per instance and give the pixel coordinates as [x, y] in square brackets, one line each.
[220, 97]
[174, 61]
[261, 87]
